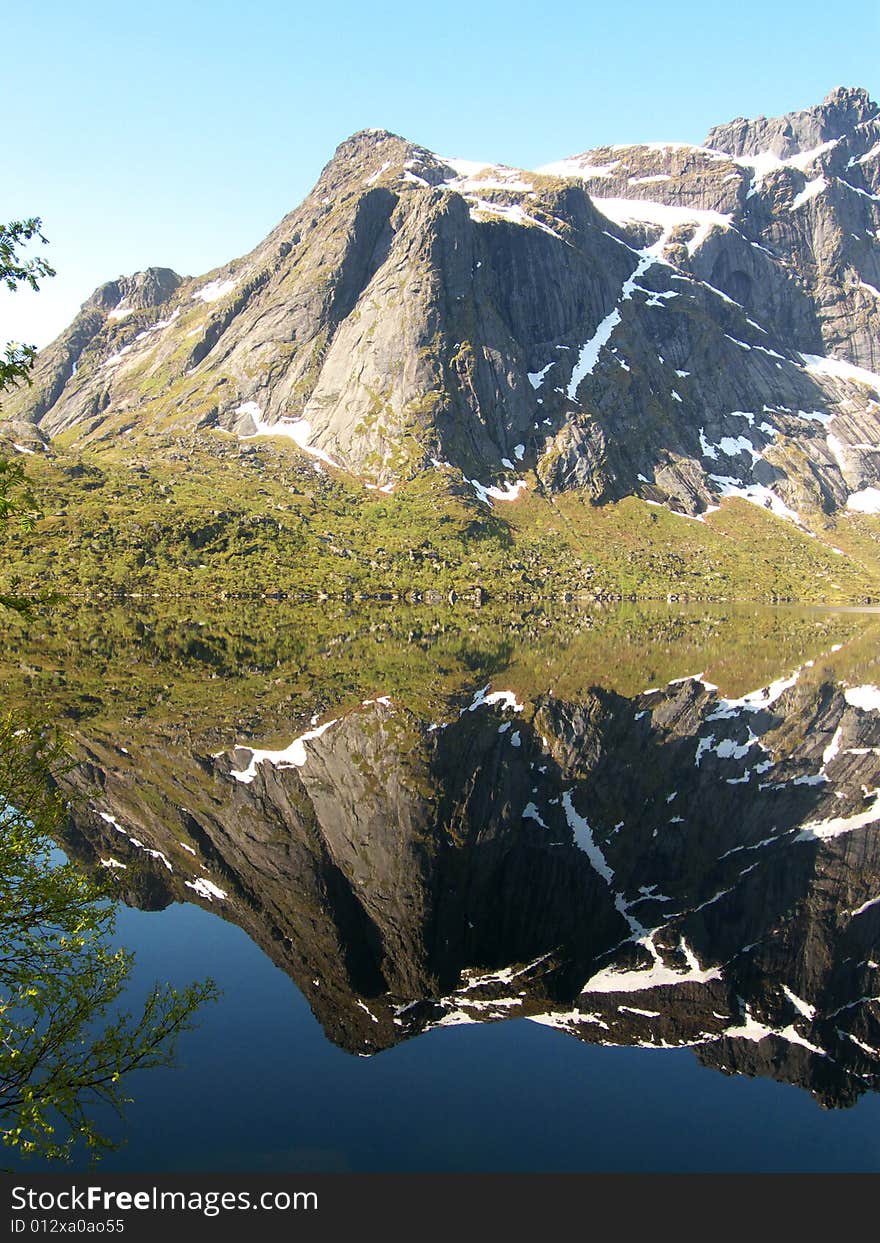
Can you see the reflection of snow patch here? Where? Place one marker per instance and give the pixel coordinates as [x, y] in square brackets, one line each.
[530, 812]
[860, 910]
[205, 888]
[658, 976]
[808, 1011]
[755, 1031]
[367, 1010]
[583, 836]
[822, 830]
[754, 701]
[536, 378]
[294, 755]
[507, 698]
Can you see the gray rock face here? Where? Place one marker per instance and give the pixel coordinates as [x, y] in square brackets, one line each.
[842, 111]
[675, 322]
[135, 293]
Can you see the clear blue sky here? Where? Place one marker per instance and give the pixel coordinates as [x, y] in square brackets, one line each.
[179, 133]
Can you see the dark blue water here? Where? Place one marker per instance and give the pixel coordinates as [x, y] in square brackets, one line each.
[259, 1088]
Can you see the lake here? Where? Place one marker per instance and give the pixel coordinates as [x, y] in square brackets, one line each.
[594, 889]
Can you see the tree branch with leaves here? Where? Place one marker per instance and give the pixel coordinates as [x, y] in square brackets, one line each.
[16, 361]
[65, 1046]
[15, 271]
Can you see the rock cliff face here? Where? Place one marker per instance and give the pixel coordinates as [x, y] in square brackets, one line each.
[681, 323]
[673, 869]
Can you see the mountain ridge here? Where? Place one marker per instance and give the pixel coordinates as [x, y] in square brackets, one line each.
[673, 322]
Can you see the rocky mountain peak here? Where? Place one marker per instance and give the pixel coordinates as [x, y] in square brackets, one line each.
[364, 144]
[852, 104]
[132, 293]
[840, 111]
[368, 157]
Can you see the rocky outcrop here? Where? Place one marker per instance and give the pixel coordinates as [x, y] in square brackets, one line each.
[845, 109]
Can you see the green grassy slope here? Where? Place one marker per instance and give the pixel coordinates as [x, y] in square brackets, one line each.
[209, 516]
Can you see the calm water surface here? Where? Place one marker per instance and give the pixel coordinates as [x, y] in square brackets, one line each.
[587, 893]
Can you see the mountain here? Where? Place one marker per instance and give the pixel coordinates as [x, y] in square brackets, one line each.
[679, 323]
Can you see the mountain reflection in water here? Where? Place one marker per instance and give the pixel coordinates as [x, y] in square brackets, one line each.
[529, 831]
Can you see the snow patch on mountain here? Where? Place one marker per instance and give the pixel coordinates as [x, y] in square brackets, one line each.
[214, 290]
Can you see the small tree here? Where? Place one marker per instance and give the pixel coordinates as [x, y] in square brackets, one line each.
[64, 1049]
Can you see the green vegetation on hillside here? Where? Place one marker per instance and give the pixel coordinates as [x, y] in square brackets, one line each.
[210, 516]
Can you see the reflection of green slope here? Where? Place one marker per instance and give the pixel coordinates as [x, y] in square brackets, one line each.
[207, 517]
[234, 668]
[735, 647]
